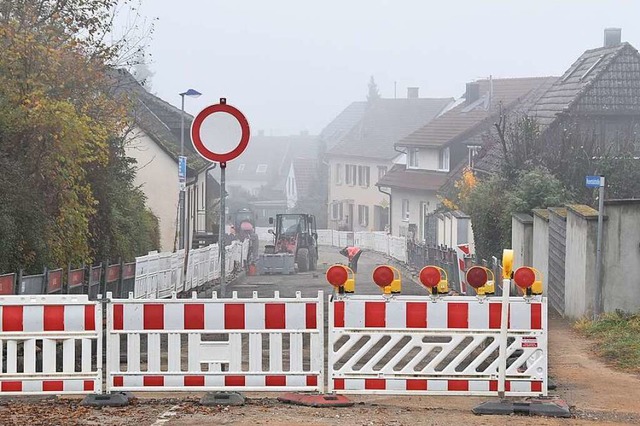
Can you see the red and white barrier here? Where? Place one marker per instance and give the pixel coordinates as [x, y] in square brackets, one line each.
[447, 346]
[31, 328]
[258, 344]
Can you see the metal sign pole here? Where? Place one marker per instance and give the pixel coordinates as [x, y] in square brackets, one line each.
[598, 292]
[221, 234]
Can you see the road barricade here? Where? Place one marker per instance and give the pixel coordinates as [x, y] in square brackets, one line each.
[53, 345]
[249, 344]
[445, 346]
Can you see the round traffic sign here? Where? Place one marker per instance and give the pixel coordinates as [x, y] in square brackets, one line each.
[383, 276]
[220, 133]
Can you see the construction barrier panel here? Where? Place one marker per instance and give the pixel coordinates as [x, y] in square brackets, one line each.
[248, 344]
[52, 345]
[442, 346]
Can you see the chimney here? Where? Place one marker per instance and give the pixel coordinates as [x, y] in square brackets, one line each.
[612, 37]
[473, 92]
[413, 92]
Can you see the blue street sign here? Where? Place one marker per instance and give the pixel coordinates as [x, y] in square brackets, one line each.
[182, 172]
[593, 181]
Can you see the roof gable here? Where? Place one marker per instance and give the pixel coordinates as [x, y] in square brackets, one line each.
[340, 126]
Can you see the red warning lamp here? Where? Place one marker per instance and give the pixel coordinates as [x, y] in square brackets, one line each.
[477, 276]
[524, 277]
[383, 276]
[337, 275]
[430, 276]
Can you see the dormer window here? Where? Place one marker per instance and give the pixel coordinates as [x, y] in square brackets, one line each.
[443, 160]
[412, 160]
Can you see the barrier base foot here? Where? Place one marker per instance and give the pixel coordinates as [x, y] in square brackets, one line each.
[547, 407]
[316, 400]
[119, 399]
[222, 398]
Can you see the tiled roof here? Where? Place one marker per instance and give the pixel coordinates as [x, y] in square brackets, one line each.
[335, 131]
[400, 177]
[463, 120]
[306, 172]
[582, 75]
[386, 121]
[159, 119]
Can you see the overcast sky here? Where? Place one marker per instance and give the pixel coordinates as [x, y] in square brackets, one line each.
[293, 65]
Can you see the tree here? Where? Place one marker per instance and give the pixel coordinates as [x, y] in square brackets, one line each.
[373, 93]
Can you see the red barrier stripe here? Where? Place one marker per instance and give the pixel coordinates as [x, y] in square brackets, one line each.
[118, 317]
[89, 385]
[52, 386]
[458, 385]
[11, 386]
[416, 315]
[338, 314]
[234, 381]
[194, 380]
[90, 317]
[379, 384]
[338, 384]
[53, 318]
[311, 313]
[234, 316]
[458, 315]
[536, 386]
[416, 384]
[12, 319]
[153, 381]
[312, 380]
[193, 316]
[375, 314]
[275, 381]
[493, 386]
[495, 316]
[118, 381]
[536, 316]
[274, 316]
[153, 317]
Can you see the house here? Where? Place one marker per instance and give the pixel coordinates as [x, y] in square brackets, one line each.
[261, 177]
[439, 149]
[361, 153]
[153, 141]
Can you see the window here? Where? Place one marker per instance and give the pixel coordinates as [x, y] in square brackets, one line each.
[363, 175]
[443, 160]
[363, 215]
[382, 170]
[336, 210]
[241, 167]
[413, 157]
[473, 151]
[262, 168]
[350, 172]
[405, 210]
[338, 174]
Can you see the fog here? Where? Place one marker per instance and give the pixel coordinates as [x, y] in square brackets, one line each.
[292, 65]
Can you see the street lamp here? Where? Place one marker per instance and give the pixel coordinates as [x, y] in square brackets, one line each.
[182, 167]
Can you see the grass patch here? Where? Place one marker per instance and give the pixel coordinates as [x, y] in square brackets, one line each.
[617, 337]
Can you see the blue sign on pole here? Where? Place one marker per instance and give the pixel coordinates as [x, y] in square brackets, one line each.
[182, 172]
[593, 181]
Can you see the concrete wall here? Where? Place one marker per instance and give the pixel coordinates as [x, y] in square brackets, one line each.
[157, 175]
[621, 256]
[540, 255]
[557, 257]
[522, 239]
[580, 277]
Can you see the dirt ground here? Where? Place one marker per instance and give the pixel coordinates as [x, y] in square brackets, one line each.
[597, 395]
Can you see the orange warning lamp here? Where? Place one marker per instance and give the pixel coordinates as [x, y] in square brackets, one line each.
[342, 278]
[435, 279]
[528, 279]
[388, 279]
[481, 279]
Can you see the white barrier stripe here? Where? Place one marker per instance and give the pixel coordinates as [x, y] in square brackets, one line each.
[33, 318]
[479, 316]
[132, 316]
[396, 315]
[295, 315]
[173, 316]
[436, 315]
[74, 317]
[254, 316]
[214, 316]
[355, 315]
